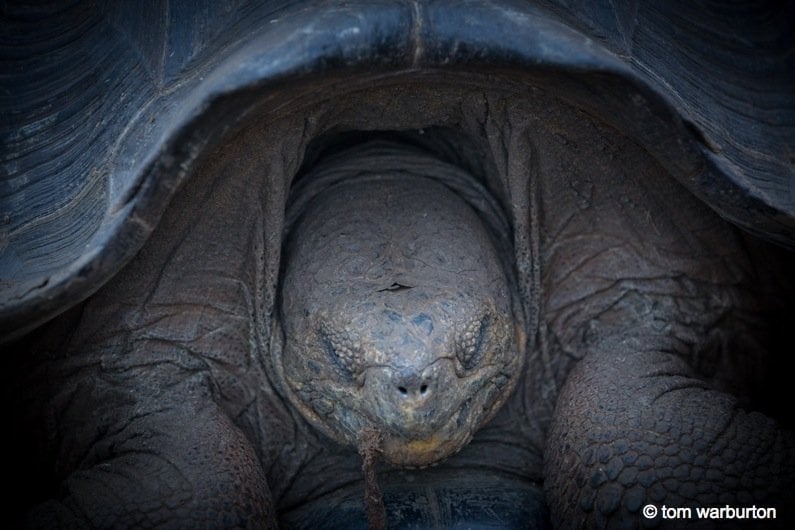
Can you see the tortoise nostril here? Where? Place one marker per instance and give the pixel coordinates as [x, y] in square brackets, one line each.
[411, 386]
[413, 391]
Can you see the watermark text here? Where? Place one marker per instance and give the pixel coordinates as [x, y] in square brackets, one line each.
[650, 511]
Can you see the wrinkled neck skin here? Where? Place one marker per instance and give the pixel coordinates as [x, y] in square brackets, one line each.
[396, 313]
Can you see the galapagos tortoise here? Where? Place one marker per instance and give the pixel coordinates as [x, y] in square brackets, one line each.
[247, 246]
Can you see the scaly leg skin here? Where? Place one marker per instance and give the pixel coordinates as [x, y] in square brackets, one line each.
[137, 437]
[663, 408]
[666, 319]
[635, 428]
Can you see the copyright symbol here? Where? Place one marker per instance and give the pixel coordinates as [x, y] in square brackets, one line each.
[650, 511]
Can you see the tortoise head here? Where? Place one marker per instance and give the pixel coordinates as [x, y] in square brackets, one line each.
[397, 316]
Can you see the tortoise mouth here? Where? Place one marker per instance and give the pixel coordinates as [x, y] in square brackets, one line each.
[421, 453]
[438, 445]
[432, 446]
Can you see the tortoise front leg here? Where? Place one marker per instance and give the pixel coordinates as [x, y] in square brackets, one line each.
[635, 428]
[655, 313]
[146, 458]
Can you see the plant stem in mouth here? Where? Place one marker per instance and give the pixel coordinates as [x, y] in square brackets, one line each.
[369, 447]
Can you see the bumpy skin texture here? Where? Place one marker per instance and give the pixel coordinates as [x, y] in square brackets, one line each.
[397, 316]
[631, 431]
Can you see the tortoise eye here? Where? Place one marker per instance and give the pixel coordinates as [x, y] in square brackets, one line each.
[469, 348]
[340, 349]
